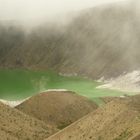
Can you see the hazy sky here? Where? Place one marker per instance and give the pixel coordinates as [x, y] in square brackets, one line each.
[34, 10]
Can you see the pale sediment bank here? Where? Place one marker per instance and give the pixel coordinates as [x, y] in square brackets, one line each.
[12, 103]
[127, 82]
[18, 102]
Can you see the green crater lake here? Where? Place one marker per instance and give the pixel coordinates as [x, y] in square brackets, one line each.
[20, 84]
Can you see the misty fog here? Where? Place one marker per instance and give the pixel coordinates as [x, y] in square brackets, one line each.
[101, 40]
[34, 12]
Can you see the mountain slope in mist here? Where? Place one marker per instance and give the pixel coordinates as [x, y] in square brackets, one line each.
[103, 41]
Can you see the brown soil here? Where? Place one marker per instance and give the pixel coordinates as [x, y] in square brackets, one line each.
[14, 125]
[109, 99]
[59, 108]
[117, 120]
[137, 137]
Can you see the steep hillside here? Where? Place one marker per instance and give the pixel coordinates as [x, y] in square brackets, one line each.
[101, 41]
[58, 108]
[15, 125]
[118, 120]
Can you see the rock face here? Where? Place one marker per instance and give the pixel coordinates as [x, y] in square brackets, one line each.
[57, 108]
[15, 125]
[103, 41]
[118, 120]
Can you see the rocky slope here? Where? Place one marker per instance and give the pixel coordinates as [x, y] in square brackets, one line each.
[101, 41]
[15, 125]
[118, 120]
[57, 108]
